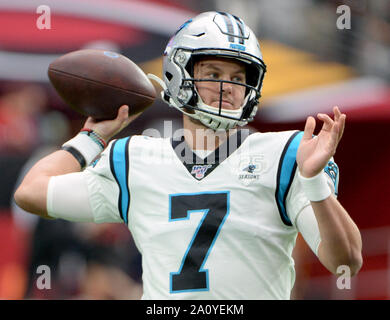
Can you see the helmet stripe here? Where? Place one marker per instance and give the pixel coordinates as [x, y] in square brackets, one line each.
[229, 26]
[241, 27]
[235, 27]
[234, 24]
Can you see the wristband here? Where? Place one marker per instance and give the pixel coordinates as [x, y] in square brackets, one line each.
[88, 148]
[316, 188]
[94, 136]
[75, 153]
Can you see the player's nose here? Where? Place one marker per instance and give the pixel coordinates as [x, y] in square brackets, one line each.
[227, 87]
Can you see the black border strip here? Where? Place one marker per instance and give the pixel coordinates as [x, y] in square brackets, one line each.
[127, 166]
[117, 181]
[285, 220]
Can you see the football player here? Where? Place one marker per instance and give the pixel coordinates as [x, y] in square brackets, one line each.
[214, 211]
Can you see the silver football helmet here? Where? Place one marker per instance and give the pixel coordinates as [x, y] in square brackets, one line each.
[214, 34]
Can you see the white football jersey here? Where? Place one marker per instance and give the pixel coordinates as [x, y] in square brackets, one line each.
[222, 227]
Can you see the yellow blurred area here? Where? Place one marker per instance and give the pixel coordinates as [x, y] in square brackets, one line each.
[288, 69]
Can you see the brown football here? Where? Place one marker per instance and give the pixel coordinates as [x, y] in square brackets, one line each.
[96, 83]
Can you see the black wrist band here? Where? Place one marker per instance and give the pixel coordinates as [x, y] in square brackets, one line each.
[75, 153]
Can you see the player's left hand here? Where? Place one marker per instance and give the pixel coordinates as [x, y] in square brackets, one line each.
[315, 152]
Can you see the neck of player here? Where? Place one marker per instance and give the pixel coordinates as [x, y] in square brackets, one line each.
[200, 137]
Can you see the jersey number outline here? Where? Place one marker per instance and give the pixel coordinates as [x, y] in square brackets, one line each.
[215, 206]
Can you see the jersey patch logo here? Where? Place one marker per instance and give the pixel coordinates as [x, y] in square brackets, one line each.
[250, 168]
[200, 170]
[251, 172]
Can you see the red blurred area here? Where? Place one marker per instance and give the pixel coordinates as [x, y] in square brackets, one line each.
[375, 112]
[363, 157]
[13, 258]
[66, 33]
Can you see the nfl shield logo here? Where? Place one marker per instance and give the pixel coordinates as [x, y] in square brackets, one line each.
[200, 170]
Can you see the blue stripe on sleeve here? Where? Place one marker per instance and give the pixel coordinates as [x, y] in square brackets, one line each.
[286, 172]
[119, 162]
[332, 171]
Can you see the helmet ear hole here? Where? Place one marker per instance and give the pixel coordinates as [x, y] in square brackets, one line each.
[249, 108]
[190, 65]
[168, 75]
[194, 99]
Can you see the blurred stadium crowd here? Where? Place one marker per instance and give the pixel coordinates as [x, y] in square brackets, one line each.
[101, 261]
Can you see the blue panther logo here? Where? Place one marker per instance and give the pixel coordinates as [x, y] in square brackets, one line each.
[251, 168]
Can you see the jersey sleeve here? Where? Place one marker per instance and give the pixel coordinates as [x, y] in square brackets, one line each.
[296, 198]
[300, 211]
[68, 199]
[88, 196]
[103, 188]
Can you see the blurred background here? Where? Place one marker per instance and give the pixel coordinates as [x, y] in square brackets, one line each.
[312, 66]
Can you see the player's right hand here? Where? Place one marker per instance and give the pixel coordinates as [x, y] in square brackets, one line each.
[109, 128]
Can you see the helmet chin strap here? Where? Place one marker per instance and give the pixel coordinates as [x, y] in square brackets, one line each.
[217, 122]
[214, 122]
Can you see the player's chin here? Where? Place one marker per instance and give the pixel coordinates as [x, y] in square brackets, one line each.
[224, 105]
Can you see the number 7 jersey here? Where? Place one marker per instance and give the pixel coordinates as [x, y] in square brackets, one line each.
[222, 227]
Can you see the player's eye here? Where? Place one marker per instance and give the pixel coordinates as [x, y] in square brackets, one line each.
[213, 75]
[240, 79]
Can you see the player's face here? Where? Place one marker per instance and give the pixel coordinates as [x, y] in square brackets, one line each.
[220, 69]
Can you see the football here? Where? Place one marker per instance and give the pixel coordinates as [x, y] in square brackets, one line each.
[96, 83]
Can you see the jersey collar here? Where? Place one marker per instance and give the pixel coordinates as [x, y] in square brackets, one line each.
[200, 168]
